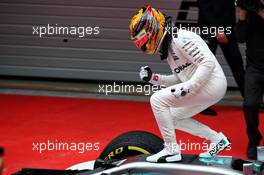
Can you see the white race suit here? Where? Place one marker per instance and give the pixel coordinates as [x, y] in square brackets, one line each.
[193, 67]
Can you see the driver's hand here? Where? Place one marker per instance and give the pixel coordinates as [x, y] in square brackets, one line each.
[145, 73]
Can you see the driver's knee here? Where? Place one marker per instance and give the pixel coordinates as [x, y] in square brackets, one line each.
[157, 102]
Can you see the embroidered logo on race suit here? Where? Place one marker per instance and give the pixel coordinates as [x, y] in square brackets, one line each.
[173, 53]
[186, 44]
[175, 57]
[181, 68]
[183, 92]
[193, 50]
[189, 47]
[200, 58]
[217, 148]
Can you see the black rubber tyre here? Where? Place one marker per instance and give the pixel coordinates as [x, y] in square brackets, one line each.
[130, 144]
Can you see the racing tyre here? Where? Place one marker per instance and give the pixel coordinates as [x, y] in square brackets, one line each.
[130, 144]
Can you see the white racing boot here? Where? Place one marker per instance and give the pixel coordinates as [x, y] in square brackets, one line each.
[168, 154]
[218, 143]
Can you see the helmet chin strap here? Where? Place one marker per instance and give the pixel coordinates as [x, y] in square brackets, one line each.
[165, 40]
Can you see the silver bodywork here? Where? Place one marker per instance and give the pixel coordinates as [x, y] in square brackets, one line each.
[169, 169]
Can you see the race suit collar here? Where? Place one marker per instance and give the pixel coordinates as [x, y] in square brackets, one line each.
[167, 37]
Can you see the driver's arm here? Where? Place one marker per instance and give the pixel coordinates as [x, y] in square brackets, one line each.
[164, 80]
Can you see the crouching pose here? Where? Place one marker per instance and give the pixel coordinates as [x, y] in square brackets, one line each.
[197, 81]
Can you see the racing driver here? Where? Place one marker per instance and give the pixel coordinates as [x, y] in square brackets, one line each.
[197, 81]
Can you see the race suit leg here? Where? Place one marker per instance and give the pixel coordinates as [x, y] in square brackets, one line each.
[182, 121]
[168, 109]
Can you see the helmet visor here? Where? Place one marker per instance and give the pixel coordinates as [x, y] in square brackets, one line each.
[141, 38]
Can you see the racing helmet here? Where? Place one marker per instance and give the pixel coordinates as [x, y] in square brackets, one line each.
[147, 28]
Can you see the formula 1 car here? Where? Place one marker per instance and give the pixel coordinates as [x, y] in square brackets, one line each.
[126, 154]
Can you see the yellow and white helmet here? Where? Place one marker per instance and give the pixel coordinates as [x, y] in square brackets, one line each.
[147, 28]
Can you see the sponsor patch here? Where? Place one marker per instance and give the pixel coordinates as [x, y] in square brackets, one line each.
[193, 50]
[186, 44]
[181, 68]
[199, 59]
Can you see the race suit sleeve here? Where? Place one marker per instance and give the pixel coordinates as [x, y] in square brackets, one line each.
[199, 54]
[164, 80]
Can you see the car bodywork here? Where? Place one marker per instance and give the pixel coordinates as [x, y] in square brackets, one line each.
[137, 165]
